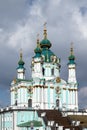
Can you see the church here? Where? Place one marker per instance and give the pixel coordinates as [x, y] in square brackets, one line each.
[46, 100]
[46, 89]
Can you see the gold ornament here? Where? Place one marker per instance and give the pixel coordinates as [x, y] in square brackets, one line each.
[30, 90]
[14, 81]
[57, 90]
[58, 80]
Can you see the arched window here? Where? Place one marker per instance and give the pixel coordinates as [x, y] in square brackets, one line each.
[57, 103]
[43, 71]
[29, 102]
[16, 102]
[52, 71]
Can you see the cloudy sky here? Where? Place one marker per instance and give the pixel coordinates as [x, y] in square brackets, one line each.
[22, 20]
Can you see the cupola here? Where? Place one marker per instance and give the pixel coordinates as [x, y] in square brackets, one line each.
[71, 57]
[38, 49]
[20, 62]
[45, 43]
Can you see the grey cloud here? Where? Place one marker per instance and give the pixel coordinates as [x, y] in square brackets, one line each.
[12, 11]
[83, 97]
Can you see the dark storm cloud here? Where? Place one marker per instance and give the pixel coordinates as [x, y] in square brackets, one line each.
[12, 11]
[83, 97]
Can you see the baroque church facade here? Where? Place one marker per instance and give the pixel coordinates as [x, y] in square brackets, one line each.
[45, 91]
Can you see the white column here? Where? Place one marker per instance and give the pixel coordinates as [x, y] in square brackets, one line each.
[12, 98]
[19, 96]
[73, 95]
[42, 98]
[35, 97]
[76, 99]
[38, 94]
[45, 98]
[51, 98]
[33, 101]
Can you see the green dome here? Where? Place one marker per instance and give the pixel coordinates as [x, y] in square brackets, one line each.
[20, 62]
[71, 57]
[47, 54]
[45, 43]
[37, 50]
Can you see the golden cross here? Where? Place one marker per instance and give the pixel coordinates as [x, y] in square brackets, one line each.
[72, 48]
[38, 36]
[45, 25]
[21, 53]
[72, 44]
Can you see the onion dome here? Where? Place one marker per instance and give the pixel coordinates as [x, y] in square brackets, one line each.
[38, 49]
[45, 42]
[47, 55]
[71, 57]
[20, 62]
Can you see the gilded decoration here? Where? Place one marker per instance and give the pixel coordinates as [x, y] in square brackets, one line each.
[58, 80]
[21, 87]
[30, 89]
[58, 90]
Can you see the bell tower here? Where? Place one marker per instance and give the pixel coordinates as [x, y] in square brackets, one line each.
[20, 68]
[72, 82]
[36, 63]
[72, 67]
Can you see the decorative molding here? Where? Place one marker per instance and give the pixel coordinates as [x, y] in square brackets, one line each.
[58, 80]
[52, 87]
[12, 90]
[58, 90]
[64, 88]
[72, 89]
[21, 87]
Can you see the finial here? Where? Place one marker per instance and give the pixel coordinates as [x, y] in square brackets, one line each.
[20, 62]
[38, 39]
[45, 30]
[45, 25]
[21, 53]
[71, 50]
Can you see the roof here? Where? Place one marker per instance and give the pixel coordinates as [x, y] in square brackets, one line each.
[47, 54]
[19, 80]
[56, 116]
[81, 118]
[28, 124]
[15, 81]
[66, 121]
[45, 43]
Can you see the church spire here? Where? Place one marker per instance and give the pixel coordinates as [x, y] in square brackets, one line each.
[71, 57]
[45, 43]
[45, 31]
[38, 43]
[20, 68]
[21, 62]
[72, 66]
[71, 50]
[38, 49]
